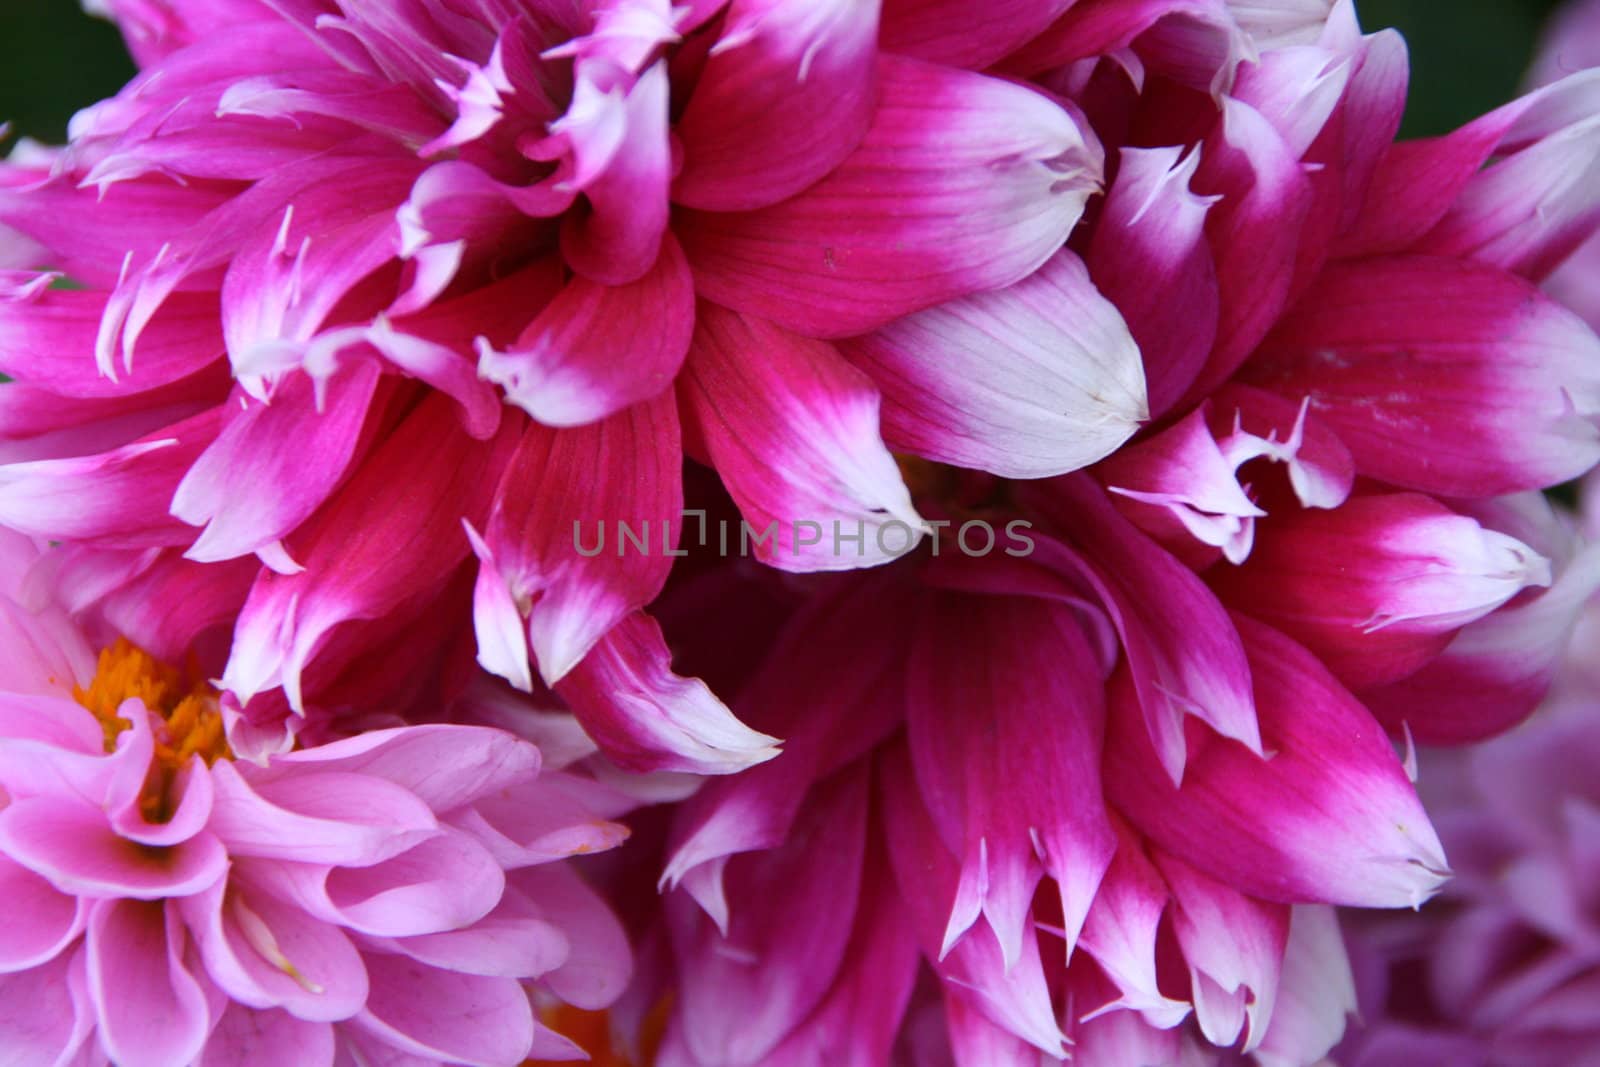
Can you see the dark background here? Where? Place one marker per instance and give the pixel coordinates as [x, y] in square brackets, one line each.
[1467, 56]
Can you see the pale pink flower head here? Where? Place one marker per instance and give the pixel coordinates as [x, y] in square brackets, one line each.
[372, 289]
[400, 894]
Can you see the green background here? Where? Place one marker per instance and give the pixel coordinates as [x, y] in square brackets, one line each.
[1467, 57]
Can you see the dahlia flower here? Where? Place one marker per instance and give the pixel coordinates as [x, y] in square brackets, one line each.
[1571, 44]
[1105, 791]
[354, 274]
[392, 896]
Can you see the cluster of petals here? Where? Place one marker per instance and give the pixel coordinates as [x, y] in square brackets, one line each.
[378, 303]
[1107, 789]
[1506, 968]
[394, 896]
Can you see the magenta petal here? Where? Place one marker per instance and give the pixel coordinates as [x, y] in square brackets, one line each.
[1254, 232]
[273, 464]
[1121, 934]
[987, 178]
[444, 1015]
[1005, 724]
[956, 34]
[786, 95]
[244, 1037]
[1424, 572]
[1185, 656]
[647, 718]
[1234, 947]
[1150, 258]
[392, 534]
[793, 431]
[44, 337]
[1036, 379]
[1016, 998]
[1346, 824]
[70, 843]
[618, 242]
[117, 499]
[793, 911]
[555, 543]
[1441, 375]
[152, 1011]
[595, 349]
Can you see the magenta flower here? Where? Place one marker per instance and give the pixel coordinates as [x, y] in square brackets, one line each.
[1107, 786]
[390, 896]
[319, 250]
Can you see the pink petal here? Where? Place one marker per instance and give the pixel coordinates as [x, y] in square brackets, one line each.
[444, 1015]
[329, 817]
[563, 492]
[786, 94]
[1006, 753]
[793, 431]
[1121, 935]
[1234, 947]
[69, 842]
[793, 909]
[117, 499]
[1185, 657]
[43, 920]
[152, 1011]
[600, 961]
[618, 242]
[1441, 375]
[444, 765]
[596, 349]
[956, 35]
[445, 882]
[266, 953]
[647, 718]
[43, 1016]
[274, 464]
[392, 535]
[1036, 379]
[1346, 826]
[244, 1037]
[987, 179]
[1423, 572]
[1150, 258]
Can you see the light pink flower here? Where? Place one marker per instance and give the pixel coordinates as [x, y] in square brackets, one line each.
[394, 895]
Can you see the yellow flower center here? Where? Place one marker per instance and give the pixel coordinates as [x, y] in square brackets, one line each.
[186, 720]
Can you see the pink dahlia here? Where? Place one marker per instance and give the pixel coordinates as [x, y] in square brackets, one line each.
[394, 896]
[366, 288]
